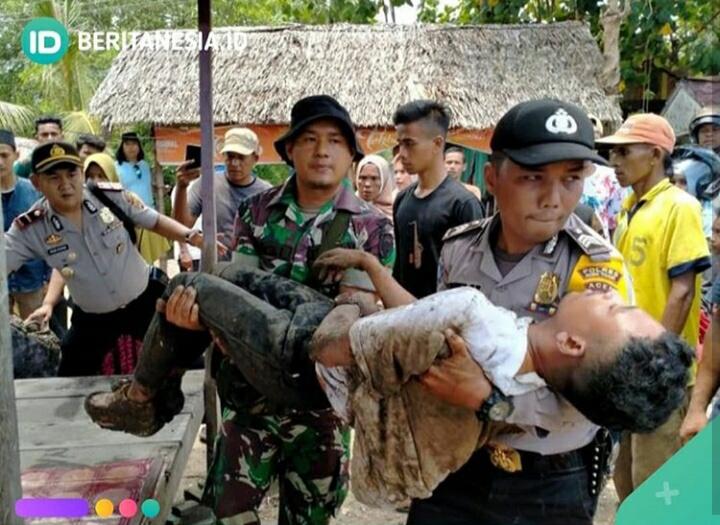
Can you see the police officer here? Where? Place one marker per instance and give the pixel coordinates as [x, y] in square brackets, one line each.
[526, 258]
[84, 238]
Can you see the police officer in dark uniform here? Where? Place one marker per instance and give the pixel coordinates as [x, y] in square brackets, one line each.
[87, 236]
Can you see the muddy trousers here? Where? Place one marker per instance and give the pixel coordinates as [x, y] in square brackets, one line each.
[266, 323]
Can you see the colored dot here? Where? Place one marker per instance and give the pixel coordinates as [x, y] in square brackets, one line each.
[128, 508]
[104, 508]
[150, 508]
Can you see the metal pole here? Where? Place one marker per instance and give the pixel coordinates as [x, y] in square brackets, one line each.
[209, 252]
[10, 488]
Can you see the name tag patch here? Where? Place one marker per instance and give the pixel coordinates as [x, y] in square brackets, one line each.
[58, 249]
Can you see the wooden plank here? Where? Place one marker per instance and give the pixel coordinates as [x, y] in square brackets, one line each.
[73, 457]
[81, 386]
[177, 468]
[85, 433]
[72, 408]
[55, 431]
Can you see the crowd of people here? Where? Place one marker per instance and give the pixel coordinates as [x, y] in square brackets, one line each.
[565, 312]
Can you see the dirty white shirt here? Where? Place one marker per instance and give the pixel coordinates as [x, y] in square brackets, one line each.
[496, 338]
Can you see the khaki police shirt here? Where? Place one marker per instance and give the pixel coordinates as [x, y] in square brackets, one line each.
[575, 259]
[102, 268]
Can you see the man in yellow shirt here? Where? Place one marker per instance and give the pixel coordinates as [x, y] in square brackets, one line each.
[660, 236]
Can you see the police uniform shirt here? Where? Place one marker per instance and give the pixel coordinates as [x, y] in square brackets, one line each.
[102, 268]
[575, 259]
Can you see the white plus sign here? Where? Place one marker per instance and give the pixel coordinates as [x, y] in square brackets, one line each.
[667, 494]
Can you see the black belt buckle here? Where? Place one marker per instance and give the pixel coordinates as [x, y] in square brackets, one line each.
[598, 455]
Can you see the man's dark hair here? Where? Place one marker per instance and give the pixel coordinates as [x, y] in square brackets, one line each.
[637, 391]
[433, 112]
[668, 165]
[91, 140]
[456, 149]
[48, 119]
[497, 158]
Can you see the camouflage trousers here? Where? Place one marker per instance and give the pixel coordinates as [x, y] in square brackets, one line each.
[307, 452]
[289, 433]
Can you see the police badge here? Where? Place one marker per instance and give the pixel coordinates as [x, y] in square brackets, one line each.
[107, 216]
[546, 294]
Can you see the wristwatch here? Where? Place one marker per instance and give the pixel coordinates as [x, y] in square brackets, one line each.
[497, 407]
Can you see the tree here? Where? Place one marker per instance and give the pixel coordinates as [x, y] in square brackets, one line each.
[672, 36]
[66, 87]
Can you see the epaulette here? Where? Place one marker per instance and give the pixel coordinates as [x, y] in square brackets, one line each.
[589, 241]
[29, 217]
[478, 224]
[110, 186]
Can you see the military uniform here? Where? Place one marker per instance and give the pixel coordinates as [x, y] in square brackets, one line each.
[575, 259]
[307, 449]
[108, 279]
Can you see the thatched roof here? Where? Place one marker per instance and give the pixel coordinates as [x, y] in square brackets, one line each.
[478, 71]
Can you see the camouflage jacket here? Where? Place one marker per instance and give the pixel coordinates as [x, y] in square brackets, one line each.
[273, 234]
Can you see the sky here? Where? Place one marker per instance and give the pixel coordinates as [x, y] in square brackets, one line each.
[408, 14]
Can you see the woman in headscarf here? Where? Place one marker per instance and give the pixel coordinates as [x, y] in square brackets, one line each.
[100, 167]
[376, 184]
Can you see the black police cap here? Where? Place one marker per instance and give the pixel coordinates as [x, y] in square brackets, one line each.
[543, 131]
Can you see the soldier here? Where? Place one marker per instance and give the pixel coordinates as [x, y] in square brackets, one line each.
[282, 231]
[525, 259]
[86, 237]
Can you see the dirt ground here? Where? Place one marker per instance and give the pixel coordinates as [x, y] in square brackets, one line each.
[353, 512]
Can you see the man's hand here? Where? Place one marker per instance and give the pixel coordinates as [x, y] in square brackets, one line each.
[198, 239]
[41, 316]
[186, 262]
[694, 422]
[457, 380]
[185, 176]
[333, 263]
[181, 309]
[367, 302]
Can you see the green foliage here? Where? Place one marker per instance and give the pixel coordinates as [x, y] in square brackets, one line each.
[676, 36]
[680, 37]
[273, 173]
[66, 87]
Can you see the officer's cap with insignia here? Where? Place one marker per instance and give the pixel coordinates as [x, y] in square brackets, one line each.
[54, 155]
[543, 131]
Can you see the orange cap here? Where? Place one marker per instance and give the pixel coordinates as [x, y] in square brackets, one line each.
[643, 128]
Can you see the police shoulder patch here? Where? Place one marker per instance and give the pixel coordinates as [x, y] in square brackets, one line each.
[110, 186]
[590, 242]
[478, 224]
[29, 217]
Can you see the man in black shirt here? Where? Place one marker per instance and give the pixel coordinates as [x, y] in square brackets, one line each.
[424, 211]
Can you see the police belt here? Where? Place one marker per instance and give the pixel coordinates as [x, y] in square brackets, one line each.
[594, 457]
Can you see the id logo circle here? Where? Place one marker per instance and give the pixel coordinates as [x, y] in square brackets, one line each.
[45, 40]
